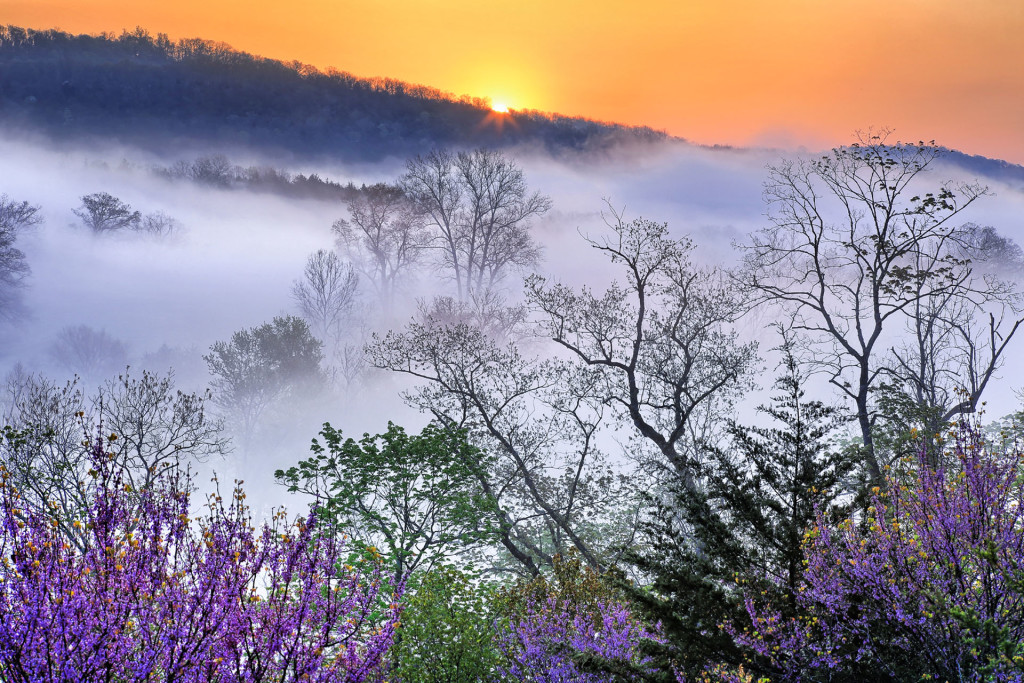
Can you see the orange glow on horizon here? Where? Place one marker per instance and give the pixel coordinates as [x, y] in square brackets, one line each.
[740, 72]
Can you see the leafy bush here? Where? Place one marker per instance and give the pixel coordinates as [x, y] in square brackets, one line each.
[446, 634]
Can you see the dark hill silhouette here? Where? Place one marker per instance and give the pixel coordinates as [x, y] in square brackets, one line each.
[142, 89]
[149, 91]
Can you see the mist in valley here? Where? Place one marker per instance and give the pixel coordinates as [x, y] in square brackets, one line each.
[158, 302]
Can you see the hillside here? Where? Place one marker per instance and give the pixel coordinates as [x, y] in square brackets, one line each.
[144, 90]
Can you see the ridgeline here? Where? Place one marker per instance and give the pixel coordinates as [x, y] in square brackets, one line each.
[147, 90]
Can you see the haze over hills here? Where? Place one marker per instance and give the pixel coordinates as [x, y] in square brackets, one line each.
[144, 89]
[152, 92]
[275, 152]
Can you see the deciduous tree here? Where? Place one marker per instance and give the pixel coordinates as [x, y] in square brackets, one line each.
[414, 497]
[326, 295]
[260, 367]
[157, 595]
[659, 348]
[15, 218]
[480, 208]
[547, 484]
[103, 212]
[384, 236]
[856, 241]
[152, 426]
[91, 354]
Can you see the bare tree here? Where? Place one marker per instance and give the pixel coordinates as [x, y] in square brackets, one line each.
[15, 218]
[92, 354]
[151, 425]
[327, 300]
[957, 338]
[159, 224]
[326, 295]
[653, 358]
[489, 312]
[660, 348]
[480, 209]
[546, 482]
[384, 236]
[855, 243]
[157, 425]
[102, 212]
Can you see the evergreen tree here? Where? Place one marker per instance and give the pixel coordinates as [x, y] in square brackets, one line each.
[742, 531]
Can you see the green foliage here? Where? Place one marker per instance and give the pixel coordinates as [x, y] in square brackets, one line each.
[261, 367]
[413, 497]
[446, 631]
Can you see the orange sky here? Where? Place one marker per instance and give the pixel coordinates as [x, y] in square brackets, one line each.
[784, 72]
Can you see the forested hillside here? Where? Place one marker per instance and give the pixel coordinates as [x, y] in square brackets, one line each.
[142, 89]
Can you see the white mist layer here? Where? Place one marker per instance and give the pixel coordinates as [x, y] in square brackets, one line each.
[234, 261]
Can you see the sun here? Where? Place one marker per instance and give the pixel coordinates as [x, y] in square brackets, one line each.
[499, 107]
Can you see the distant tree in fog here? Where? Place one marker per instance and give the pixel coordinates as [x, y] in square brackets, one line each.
[327, 300]
[384, 236]
[92, 354]
[490, 312]
[15, 217]
[159, 224]
[213, 170]
[260, 367]
[326, 295]
[102, 212]
[480, 209]
[991, 251]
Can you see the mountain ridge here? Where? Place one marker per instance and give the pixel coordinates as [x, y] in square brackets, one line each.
[129, 85]
[149, 91]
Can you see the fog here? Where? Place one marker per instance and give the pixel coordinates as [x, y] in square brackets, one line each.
[232, 264]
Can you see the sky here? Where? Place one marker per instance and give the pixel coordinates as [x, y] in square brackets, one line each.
[785, 73]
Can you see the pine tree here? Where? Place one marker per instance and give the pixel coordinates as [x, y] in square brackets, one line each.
[743, 531]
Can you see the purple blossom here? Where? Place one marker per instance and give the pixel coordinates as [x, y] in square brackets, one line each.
[158, 596]
[928, 583]
[543, 643]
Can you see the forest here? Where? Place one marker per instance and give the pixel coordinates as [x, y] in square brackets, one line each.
[477, 434]
[150, 91]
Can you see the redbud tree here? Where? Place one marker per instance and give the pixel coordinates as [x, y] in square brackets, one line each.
[927, 586]
[157, 595]
[570, 629]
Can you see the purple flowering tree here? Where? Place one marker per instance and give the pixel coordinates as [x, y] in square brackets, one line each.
[158, 596]
[555, 628]
[928, 586]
